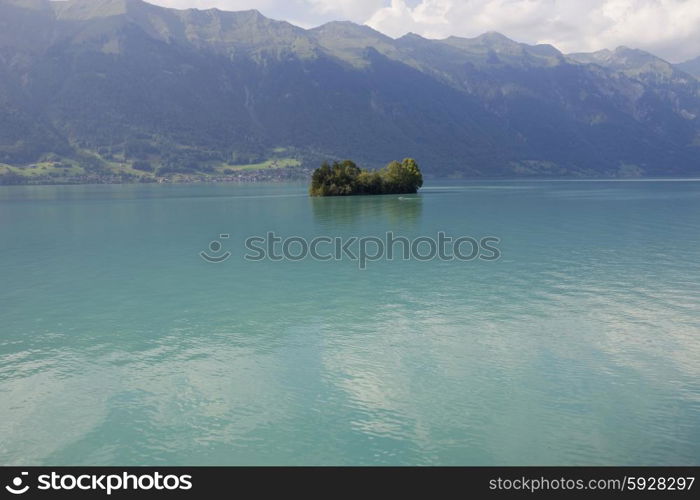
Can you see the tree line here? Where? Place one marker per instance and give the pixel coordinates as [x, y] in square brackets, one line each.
[346, 178]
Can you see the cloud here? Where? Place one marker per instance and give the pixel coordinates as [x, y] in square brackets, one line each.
[669, 28]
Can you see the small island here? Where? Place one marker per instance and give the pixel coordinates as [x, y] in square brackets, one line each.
[345, 178]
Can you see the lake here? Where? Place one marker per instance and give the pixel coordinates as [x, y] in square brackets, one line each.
[121, 345]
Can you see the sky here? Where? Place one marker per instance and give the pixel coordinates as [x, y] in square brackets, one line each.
[667, 28]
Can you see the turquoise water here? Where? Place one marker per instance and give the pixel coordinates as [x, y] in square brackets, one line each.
[120, 345]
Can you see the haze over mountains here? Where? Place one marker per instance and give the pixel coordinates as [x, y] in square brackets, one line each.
[104, 85]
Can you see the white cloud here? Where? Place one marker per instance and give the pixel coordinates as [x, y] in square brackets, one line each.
[669, 28]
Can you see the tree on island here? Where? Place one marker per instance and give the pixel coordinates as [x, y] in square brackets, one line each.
[345, 178]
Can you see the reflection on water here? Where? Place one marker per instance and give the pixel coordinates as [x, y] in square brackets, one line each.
[119, 345]
[341, 211]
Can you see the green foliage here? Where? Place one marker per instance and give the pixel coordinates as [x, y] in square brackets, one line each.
[345, 178]
[404, 177]
[174, 169]
[9, 178]
[143, 165]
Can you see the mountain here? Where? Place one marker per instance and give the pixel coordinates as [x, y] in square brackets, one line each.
[691, 67]
[128, 89]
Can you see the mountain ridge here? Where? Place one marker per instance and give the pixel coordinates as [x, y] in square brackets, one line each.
[109, 85]
[692, 67]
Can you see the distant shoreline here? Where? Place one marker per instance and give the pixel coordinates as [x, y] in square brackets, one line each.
[241, 176]
[304, 179]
